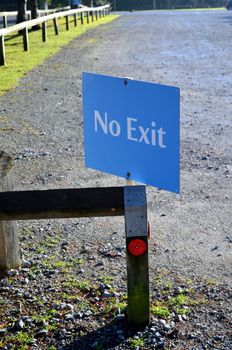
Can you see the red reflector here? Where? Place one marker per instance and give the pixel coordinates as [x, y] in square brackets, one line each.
[137, 247]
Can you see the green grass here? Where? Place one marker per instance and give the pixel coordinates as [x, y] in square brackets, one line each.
[19, 341]
[160, 311]
[135, 343]
[175, 304]
[179, 300]
[19, 62]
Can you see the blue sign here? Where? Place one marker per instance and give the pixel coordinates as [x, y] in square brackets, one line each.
[76, 2]
[131, 129]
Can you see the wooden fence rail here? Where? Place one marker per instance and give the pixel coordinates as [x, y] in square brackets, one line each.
[23, 27]
[62, 203]
[7, 14]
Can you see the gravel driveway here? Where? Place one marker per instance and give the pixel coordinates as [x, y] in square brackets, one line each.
[41, 122]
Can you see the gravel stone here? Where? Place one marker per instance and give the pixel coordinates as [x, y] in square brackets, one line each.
[42, 333]
[87, 313]
[69, 317]
[19, 325]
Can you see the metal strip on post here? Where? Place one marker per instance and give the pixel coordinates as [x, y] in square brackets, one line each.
[2, 51]
[136, 228]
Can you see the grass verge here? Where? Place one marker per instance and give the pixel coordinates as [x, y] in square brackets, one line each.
[19, 62]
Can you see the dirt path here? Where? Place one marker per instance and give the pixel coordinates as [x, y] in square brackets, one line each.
[42, 127]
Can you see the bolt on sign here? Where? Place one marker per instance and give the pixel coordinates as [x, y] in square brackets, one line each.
[131, 129]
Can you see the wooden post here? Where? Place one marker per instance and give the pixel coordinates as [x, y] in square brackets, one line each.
[56, 27]
[44, 31]
[67, 22]
[87, 15]
[25, 39]
[136, 227]
[2, 51]
[92, 15]
[96, 13]
[82, 18]
[4, 21]
[75, 19]
[9, 245]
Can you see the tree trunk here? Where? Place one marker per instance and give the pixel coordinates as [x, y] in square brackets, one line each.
[22, 7]
[33, 7]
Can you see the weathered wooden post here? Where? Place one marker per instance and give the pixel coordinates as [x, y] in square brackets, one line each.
[9, 244]
[136, 227]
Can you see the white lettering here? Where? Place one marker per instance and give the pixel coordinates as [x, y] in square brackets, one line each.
[153, 134]
[135, 132]
[161, 133]
[144, 135]
[98, 119]
[130, 129]
[114, 128]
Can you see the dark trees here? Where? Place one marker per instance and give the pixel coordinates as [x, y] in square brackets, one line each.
[22, 7]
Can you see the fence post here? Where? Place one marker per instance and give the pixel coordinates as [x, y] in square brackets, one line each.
[56, 27]
[82, 18]
[25, 39]
[2, 51]
[136, 227]
[4, 18]
[75, 19]
[67, 22]
[87, 16]
[44, 31]
[9, 244]
[92, 16]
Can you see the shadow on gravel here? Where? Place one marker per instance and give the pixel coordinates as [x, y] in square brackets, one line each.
[3, 275]
[107, 337]
[226, 19]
